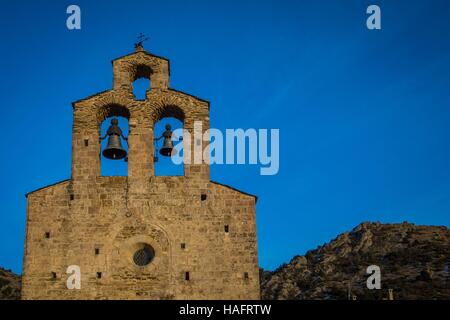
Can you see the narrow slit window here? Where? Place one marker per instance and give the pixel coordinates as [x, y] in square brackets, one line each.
[186, 276]
[99, 275]
[97, 251]
[245, 275]
[72, 197]
[53, 275]
[227, 229]
[86, 142]
[183, 246]
[47, 235]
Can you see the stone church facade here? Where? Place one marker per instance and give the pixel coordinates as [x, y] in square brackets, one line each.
[200, 234]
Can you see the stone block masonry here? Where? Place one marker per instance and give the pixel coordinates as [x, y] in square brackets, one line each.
[141, 236]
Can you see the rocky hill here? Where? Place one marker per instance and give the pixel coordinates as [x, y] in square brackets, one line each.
[414, 262]
[9, 285]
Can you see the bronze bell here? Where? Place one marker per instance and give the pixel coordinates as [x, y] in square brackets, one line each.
[114, 149]
[167, 150]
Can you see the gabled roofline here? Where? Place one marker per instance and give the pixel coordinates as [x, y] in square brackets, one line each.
[240, 191]
[90, 96]
[48, 186]
[146, 52]
[215, 182]
[169, 89]
[190, 95]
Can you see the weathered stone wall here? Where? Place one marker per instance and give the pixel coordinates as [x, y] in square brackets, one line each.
[171, 214]
[97, 222]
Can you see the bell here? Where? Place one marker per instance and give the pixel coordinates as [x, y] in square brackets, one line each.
[114, 149]
[167, 150]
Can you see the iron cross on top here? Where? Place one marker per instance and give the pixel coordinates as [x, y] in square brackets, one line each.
[141, 38]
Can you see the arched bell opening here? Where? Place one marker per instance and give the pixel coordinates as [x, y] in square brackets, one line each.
[168, 140]
[167, 130]
[114, 140]
[141, 81]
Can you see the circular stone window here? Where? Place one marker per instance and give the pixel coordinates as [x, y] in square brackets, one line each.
[144, 255]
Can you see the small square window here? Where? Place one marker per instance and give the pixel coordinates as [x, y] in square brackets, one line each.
[99, 275]
[47, 235]
[203, 197]
[53, 275]
[245, 275]
[183, 246]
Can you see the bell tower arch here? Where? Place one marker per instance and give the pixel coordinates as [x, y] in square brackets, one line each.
[161, 102]
[137, 65]
[86, 137]
[166, 236]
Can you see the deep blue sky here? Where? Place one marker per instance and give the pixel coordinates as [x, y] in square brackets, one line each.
[363, 115]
